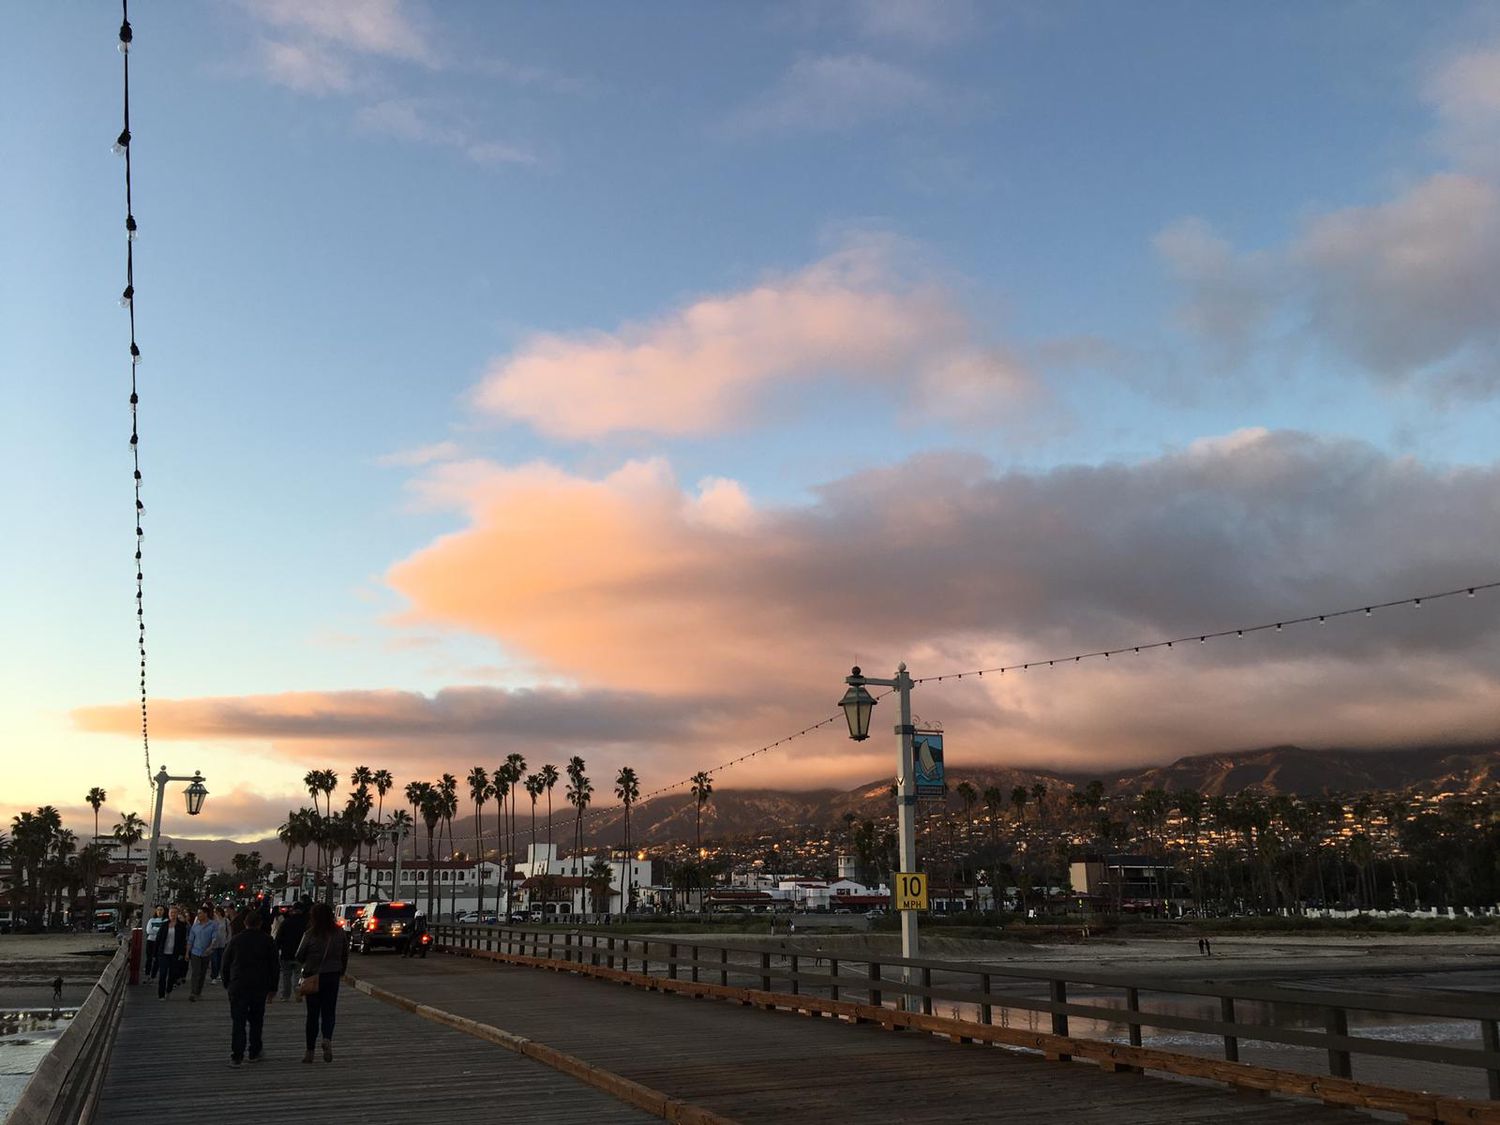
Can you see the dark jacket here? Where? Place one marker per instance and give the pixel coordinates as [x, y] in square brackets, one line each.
[251, 966]
[179, 946]
[293, 926]
[324, 955]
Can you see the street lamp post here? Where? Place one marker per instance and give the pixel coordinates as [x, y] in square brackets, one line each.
[858, 704]
[194, 794]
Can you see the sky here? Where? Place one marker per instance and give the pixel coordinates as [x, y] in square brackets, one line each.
[607, 380]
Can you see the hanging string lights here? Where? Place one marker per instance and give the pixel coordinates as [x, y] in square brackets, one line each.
[122, 147]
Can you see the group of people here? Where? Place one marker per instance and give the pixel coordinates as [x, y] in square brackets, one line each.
[299, 955]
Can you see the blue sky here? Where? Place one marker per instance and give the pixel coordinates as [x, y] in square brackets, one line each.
[412, 275]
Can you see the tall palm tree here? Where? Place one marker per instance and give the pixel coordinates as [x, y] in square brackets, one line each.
[994, 804]
[413, 793]
[430, 808]
[628, 790]
[96, 798]
[534, 787]
[549, 779]
[447, 788]
[479, 791]
[580, 791]
[515, 770]
[702, 790]
[384, 783]
[1018, 797]
[1039, 795]
[503, 792]
[970, 797]
[130, 831]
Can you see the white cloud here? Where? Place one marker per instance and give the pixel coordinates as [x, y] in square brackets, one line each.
[383, 28]
[425, 122]
[828, 93]
[421, 454]
[922, 23]
[706, 367]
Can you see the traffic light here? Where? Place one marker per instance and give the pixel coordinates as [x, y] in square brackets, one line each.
[242, 886]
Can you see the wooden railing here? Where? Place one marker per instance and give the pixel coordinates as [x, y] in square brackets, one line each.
[990, 993]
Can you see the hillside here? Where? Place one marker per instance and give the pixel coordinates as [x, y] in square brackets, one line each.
[751, 812]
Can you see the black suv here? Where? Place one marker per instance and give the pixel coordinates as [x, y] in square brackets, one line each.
[390, 925]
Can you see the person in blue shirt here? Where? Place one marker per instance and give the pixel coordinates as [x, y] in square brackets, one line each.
[202, 938]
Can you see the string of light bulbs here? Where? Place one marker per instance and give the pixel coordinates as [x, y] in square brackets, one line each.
[1414, 601]
[122, 147]
[1203, 638]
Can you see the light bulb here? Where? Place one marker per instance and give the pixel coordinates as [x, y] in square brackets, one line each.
[135, 355]
[125, 37]
[122, 143]
[130, 227]
[127, 296]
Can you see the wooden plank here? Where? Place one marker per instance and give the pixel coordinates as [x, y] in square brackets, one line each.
[755, 1067]
[170, 1065]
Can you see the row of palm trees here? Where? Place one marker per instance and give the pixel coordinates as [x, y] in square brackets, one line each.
[50, 864]
[435, 805]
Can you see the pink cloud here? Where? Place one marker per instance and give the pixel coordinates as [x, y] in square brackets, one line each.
[707, 367]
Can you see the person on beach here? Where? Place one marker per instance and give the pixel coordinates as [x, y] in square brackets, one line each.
[249, 970]
[169, 951]
[324, 955]
[154, 924]
[288, 938]
[57, 983]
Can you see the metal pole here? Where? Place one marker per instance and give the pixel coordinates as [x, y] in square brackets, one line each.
[398, 837]
[906, 816]
[148, 897]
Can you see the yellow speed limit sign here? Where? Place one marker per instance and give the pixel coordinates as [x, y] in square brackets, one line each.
[911, 890]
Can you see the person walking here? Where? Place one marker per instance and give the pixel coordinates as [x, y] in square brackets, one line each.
[169, 950]
[249, 971]
[288, 938]
[154, 924]
[221, 942]
[201, 939]
[324, 954]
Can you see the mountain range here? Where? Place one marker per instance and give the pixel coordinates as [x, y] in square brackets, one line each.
[751, 812]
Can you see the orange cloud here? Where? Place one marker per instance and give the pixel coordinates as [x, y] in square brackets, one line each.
[705, 367]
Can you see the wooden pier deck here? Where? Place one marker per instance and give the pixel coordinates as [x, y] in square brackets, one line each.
[750, 1065]
[170, 1064]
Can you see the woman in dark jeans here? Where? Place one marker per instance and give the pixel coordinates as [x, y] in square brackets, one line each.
[324, 955]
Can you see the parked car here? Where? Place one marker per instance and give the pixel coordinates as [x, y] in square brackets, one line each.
[348, 914]
[388, 925]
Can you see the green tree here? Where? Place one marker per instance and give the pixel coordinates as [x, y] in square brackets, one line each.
[628, 790]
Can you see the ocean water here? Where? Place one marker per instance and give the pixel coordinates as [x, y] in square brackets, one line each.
[26, 1035]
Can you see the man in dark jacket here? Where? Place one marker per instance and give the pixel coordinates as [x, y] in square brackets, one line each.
[249, 972]
[288, 938]
[171, 949]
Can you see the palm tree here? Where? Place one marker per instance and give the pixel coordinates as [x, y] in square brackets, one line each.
[628, 790]
[580, 790]
[549, 779]
[1018, 801]
[534, 789]
[479, 791]
[970, 797]
[515, 769]
[702, 790]
[994, 804]
[413, 793]
[384, 783]
[1039, 794]
[428, 805]
[501, 789]
[447, 789]
[96, 798]
[130, 831]
[600, 876]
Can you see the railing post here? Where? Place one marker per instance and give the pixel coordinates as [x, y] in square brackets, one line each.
[874, 974]
[694, 948]
[1231, 1042]
[1336, 1020]
[986, 1009]
[1057, 991]
[724, 967]
[796, 984]
[1133, 1005]
[833, 978]
[1489, 1034]
[672, 960]
[926, 992]
[765, 972]
[611, 947]
[594, 950]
